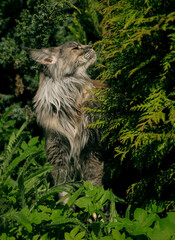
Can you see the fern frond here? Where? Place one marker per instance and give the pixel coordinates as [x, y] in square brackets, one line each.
[10, 149]
[14, 142]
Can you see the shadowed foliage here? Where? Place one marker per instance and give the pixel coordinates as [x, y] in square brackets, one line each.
[135, 45]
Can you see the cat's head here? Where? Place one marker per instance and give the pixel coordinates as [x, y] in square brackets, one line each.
[68, 59]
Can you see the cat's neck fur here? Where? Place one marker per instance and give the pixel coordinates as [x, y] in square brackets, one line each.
[58, 104]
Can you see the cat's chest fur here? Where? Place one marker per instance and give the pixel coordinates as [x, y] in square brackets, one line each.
[59, 107]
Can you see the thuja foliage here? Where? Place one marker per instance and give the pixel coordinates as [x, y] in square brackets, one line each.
[137, 109]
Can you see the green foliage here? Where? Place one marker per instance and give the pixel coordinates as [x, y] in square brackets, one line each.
[89, 16]
[74, 234]
[137, 108]
[41, 24]
[30, 208]
[50, 220]
[77, 30]
[6, 126]
[34, 24]
[37, 24]
[20, 170]
[135, 41]
[144, 225]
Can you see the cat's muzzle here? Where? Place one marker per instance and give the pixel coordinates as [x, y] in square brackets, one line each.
[90, 54]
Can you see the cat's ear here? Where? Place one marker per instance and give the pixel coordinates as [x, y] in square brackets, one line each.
[43, 56]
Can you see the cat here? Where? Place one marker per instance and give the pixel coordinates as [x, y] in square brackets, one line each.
[63, 93]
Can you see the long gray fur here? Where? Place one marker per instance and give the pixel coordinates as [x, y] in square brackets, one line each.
[62, 94]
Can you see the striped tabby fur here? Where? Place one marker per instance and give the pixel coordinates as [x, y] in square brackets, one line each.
[63, 93]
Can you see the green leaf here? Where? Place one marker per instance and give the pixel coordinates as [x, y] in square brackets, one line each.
[45, 237]
[33, 141]
[5, 237]
[166, 225]
[29, 152]
[21, 189]
[36, 237]
[79, 236]
[57, 213]
[51, 191]
[90, 189]
[164, 229]
[45, 209]
[38, 217]
[67, 236]
[137, 229]
[140, 215]
[74, 196]
[74, 231]
[107, 238]
[128, 210]
[171, 217]
[105, 197]
[150, 219]
[33, 179]
[84, 202]
[113, 212]
[160, 235]
[24, 145]
[99, 193]
[63, 220]
[23, 220]
[117, 235]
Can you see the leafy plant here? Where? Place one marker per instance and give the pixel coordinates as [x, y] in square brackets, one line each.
[6, 127]
[145, 226]
[135, 44]
[31, 210]
[74, 234]
[137, 108]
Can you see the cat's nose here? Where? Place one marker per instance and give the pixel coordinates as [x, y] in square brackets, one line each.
[87, 48]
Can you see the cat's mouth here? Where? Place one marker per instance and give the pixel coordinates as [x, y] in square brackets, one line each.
[90, 54]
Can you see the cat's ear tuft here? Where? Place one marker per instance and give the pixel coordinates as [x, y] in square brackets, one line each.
[43, 56]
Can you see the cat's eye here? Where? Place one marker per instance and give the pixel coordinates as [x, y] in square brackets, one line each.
[76, 48]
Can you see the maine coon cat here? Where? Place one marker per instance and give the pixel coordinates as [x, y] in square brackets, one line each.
[63, 93]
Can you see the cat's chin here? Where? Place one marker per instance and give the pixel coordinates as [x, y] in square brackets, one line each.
[90, 54]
